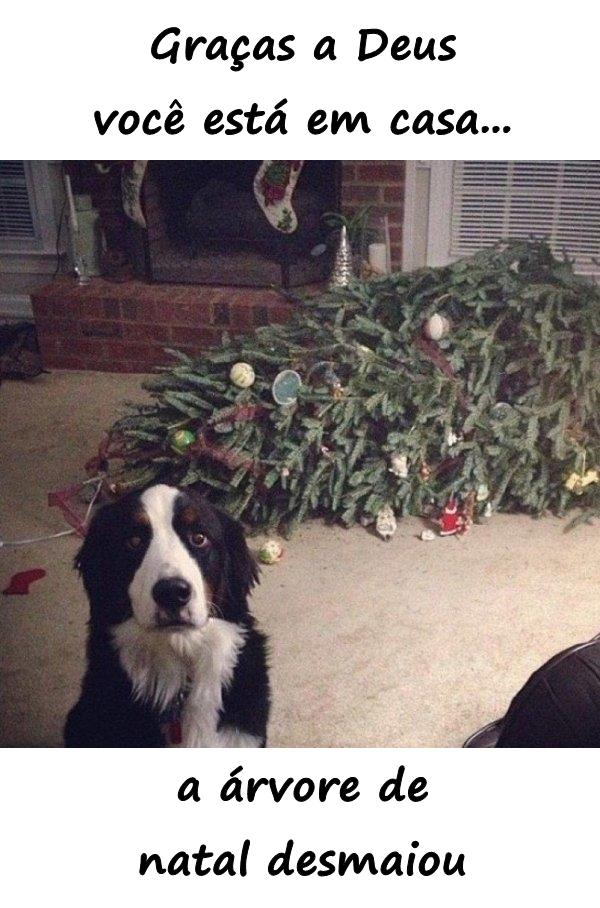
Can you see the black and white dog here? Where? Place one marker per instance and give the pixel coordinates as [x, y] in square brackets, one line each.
[173, 654]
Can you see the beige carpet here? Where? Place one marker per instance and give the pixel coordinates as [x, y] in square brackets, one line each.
[373, 644]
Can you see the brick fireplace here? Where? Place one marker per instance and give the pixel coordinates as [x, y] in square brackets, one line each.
[123, 323]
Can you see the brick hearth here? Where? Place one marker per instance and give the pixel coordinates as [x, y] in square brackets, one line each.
[124, 327]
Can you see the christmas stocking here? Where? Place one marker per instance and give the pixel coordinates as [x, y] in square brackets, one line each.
[274, 186]
[132, 177]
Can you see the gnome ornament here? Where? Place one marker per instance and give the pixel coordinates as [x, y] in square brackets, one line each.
[385, 523]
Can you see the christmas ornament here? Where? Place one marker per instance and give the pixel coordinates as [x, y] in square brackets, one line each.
[181, 440]
[424, 471]
[270, 552]
[450, 519]
[502, 412]
[132, 177]
[578, 482]
[385, 523]
[487, 511]
[427, 535]
[274, 186]
[343, 271]
[467, 513]
[242, 375]
[436, 327]
[451, 438]
[322, 373]
[483, 492]
[399, 465]
[285, 387]
[20, 583]
[285, 472]
[455, 520]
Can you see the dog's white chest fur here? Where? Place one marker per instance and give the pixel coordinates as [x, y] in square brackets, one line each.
[160, 664]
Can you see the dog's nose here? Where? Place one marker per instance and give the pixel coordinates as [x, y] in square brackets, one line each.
[172, 593]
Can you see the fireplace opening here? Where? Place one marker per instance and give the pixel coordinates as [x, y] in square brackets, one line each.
[205, 225]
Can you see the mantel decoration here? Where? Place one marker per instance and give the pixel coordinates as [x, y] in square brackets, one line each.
[274, 186]
[500, 413]
[375, 254]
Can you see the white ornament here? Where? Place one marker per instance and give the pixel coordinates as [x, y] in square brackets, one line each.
[436, 327]
[483, 493]
[427, 535]
[399, 465]
[242, 375]
[270, 552]
[385, 523]
[487, 511]
[451, 438]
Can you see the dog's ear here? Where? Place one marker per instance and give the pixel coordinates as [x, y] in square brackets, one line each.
[90, 558]
[242, 569]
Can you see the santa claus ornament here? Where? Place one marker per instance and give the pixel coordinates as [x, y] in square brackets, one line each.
[450, 519]
[454, 520]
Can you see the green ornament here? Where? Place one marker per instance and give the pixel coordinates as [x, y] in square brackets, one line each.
[181, 440]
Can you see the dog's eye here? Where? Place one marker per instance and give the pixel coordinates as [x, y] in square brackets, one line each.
[199, 540]
[133, 542]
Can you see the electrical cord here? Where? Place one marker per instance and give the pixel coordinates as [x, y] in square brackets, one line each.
[13, 543]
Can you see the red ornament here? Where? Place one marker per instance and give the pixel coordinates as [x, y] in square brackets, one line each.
[456, 520]
[451, 519]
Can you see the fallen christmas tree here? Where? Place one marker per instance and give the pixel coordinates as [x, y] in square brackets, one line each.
[477, 381]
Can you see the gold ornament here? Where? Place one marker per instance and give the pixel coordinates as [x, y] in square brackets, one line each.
[578, 482]
[425, 471]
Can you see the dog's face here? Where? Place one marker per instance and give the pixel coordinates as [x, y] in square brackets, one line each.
[166, 558]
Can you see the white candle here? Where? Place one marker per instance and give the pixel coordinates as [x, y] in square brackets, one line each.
[378, 258]
[71, 203]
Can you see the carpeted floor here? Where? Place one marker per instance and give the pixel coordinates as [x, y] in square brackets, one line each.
[373, 644]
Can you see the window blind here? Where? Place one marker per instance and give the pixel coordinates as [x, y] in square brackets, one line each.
[554, 200]
[16, 216]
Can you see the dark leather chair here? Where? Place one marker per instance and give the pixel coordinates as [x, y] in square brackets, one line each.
[559, 706]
